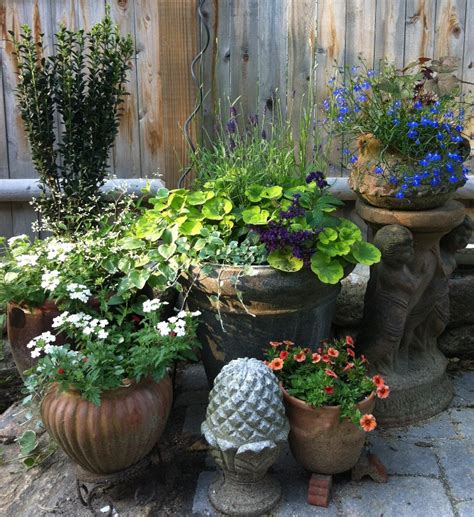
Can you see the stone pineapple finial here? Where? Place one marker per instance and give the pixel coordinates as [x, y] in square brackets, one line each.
[245, 427]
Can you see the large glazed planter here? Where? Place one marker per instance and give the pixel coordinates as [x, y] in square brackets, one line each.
[23, 325]
[378, 191]
[115, 435]
[276, 306]
[320, 440]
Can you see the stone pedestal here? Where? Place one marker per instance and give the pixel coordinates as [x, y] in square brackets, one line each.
[407, 306]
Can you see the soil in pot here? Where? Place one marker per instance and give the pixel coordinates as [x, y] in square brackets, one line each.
[115, 435]
[319, 440]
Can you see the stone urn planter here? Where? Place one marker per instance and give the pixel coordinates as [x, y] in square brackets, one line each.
[111, 437]
[376, 189]
[319, 440]
[241, 313]
[23, 325]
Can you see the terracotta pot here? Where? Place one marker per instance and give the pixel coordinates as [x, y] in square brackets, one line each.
[376, 189]
[320, 440]
[295, 306]
[23, 325]
[115, 435]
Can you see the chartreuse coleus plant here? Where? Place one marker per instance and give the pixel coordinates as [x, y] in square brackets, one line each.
[286, 228]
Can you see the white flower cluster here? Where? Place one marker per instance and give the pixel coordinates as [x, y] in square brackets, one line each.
[153, 305]
[175, 325]
[58, 250]
[78, 292]
[86, 323]
[42, 343]
[50, 280]
[27, 260]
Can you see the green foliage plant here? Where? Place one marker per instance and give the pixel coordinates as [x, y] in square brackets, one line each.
[331, 376]
[70, 105]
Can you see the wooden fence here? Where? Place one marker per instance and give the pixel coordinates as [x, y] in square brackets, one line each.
[259, 50]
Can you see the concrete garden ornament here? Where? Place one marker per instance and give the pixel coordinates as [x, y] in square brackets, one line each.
[245, 427]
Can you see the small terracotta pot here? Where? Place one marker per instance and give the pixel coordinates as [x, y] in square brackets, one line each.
[320, 440]
[115, 435]
[23, 325]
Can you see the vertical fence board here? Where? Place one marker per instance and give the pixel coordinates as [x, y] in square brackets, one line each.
[468, 64]
[302, 25]
[223, 52]
[419, 30]
[178, 29]
[126, 156]
[208, 68]
[449, 30]
[331, 35]
[390, 32]
[272, 54]
[244, 57]
[360, 31]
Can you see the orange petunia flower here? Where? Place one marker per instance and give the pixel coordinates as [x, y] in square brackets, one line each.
[329, 390]
[383, 391]
[275, 344]
[329, 372]
[332, 352]
[368, 423]
[275, 364]
[351, 352]
[315, 358]
[348, 367]
[283, 355]
[287, 342]
[299, 357]
[326, 358]
[349, 341]
[378, 380]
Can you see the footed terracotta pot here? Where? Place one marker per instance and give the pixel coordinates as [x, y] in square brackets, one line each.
[379, 192]
[320, 440]
[23, 325]
[115, 435]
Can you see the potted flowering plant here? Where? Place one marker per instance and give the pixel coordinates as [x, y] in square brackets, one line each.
[409, 129]
[112, 371]
[329, 401]
[255, 242]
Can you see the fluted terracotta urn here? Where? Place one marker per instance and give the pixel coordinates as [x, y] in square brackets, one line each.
[111, 437]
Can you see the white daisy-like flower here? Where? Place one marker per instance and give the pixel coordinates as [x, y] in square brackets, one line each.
[78, 292]
[31, 343]
[163, 328]
[47, 337]
[182, 314]
[152, 305]
[49, 348]
[88, 331]
[60, 320]
[35, 353]
[50, 280]
[27, 260]
[180, 323]
[180, 331]
[102, 334]
[173, 319]
[103, 323]
[196, 313]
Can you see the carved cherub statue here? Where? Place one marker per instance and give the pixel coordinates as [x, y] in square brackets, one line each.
[392, 284]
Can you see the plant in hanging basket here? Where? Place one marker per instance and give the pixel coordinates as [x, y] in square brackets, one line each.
[408, 125]
[329, 400]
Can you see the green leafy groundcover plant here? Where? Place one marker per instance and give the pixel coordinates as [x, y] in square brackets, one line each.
[110, 347]
[287, 228]
[331, 376]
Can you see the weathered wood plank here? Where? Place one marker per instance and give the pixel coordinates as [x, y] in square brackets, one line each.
[126, 155]
[222, 64]
[272, 55]
[390, 32]
[244, 57]
[449, 30]
[360, 31]
[150, 98]
[302, 25]
[419, 29]
[331, 50]
[178, 29]
[468, 63]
